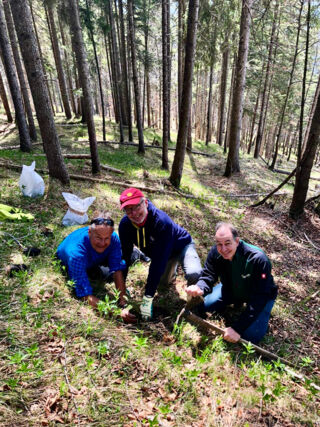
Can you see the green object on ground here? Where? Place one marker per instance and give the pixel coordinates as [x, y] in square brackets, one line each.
[14, 214]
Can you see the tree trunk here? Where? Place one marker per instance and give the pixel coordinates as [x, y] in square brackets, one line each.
[4, 100]
[181, 12]
[117, 73]
[25, 142]
[232, 83]
[165, 86]
[305, 165]
[29, 49]
[185, 107]
[81, 57]
[124, 67]
[58, 62]
[141, 149]
[19, 68]
[40, 52]
[273, 164]
[266, 84]
[240, 79]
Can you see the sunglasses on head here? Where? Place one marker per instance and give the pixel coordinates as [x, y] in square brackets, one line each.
[105, 221]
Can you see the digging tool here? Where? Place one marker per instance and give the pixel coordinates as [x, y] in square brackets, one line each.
[186, 312]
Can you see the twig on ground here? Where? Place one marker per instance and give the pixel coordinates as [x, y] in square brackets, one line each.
[311, 242]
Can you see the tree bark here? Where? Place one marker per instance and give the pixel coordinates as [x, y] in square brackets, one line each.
[58, 62]
[4, 100]
[233, 165]
[165, 85]
[19, 68]
[25, 142]
[29, 49]
[185, 107]
[141, 149]
[82, 65]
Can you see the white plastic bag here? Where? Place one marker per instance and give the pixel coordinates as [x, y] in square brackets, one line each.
[30, 182]
[77, 212]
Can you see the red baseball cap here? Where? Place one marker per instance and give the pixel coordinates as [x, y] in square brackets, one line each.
[130, 196]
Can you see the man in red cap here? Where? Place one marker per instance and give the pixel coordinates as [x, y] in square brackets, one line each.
[164, 241]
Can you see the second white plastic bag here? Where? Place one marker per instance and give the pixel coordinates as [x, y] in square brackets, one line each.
[77, 212]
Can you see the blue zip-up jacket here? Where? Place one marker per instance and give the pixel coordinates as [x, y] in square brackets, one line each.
[77, 254]
[247, 278]
[159, 238]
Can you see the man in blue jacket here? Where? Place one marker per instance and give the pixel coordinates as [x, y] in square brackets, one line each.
[95, 252]
[164, 241]
[245, 276]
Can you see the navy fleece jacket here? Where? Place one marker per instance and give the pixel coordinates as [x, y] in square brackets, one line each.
[247, 278]
[160, 238]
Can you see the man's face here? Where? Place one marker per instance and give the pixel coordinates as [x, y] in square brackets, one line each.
[100, 237]
[137, 213]
[226, 244]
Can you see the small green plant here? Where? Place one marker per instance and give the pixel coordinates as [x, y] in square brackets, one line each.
[103, 348]
[248, 349]
[109, 306]
[140, 341]
[306, 362]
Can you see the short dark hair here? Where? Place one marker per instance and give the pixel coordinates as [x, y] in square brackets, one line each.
[233, 230]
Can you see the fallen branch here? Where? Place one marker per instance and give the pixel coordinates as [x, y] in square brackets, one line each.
[207, 325]
[311, 242]
[255, 195]
[69, 156]
[274, 191]
[109, 168]
[15, 147]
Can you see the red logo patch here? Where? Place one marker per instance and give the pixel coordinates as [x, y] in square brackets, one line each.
[263, 276]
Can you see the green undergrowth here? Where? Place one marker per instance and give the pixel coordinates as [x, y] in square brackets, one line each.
[63, 363]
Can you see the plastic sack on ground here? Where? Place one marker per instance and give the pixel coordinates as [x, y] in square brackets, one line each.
[77, 212]
[30, 182]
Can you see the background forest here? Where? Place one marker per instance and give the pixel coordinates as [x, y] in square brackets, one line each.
[212, 108]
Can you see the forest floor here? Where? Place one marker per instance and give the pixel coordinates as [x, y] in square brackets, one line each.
[63, 363]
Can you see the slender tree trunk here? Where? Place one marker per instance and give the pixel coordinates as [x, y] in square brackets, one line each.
[165, 86]
[185, 107]
[79, 50]
[19, 68]
[141, 148]
[282, 116]
[121, 107]
[240, 78]
[4, 100]
[266, 83]
[25, 142]
[58, 62]
[124, 67]
[31, 57]
[232, 83]
[181, 12]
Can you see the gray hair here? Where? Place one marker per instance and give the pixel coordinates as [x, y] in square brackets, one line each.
[231, 227]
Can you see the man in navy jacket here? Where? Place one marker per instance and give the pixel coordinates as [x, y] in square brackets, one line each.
[244, 272]
[162, 240]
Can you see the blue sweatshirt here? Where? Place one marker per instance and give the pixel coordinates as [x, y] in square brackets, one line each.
[77, 254]
[247, 278]
[159, 238]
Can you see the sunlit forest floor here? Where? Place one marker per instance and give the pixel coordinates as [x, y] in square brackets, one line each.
[63, 363]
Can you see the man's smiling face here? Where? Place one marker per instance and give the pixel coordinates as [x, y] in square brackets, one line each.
[226, 243]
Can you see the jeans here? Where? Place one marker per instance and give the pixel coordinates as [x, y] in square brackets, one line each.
[256, 331]
[190, 262]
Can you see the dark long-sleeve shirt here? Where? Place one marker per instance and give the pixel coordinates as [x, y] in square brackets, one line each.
[247, 278]
[159, 238]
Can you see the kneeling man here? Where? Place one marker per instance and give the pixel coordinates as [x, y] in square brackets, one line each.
[95, 252]
[161, 239]
[244, 272]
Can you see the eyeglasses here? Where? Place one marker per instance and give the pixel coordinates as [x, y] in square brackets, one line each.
[129, 211]
[100, 221]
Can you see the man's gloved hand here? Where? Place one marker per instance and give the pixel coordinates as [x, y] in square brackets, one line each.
[146, 307]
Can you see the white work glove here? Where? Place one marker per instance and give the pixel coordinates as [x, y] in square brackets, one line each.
[146, 307]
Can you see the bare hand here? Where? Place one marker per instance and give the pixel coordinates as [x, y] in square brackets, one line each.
[128, 317]
[194, 291]
[231, 335]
